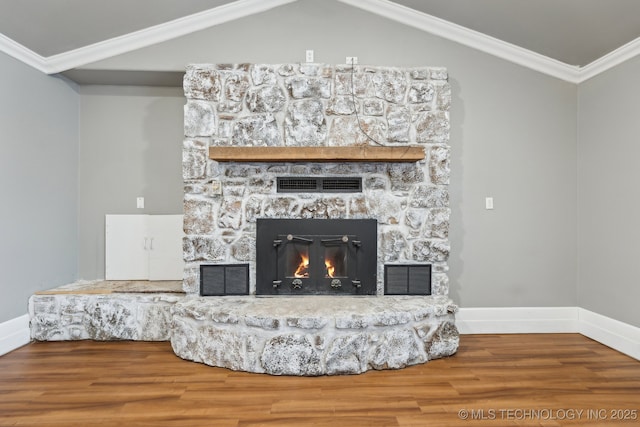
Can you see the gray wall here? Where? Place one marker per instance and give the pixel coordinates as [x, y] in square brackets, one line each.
[513, 137]
[609, 193]
[130, 146]
[38, 184]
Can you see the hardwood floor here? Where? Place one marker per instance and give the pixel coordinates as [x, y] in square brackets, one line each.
[493, 380]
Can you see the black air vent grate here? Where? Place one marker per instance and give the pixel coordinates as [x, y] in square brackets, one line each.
[297, 184]
[414, 279]
[342, 184]
[320, 184]
[224, 279]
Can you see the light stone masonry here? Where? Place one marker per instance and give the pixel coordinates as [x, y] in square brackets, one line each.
[298, 105]
[102, 317]
[318, 335]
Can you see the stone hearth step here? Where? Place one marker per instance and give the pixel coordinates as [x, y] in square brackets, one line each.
[314, 335]
[138, 310]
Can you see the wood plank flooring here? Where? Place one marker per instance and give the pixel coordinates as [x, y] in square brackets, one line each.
[493, 380]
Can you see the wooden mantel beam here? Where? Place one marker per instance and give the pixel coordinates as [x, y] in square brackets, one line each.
[359, 153]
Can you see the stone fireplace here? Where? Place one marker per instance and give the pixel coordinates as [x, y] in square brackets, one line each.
[346, 166]
[369, 255]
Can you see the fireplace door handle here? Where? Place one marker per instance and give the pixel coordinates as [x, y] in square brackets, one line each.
[343, 239]
[291, 237]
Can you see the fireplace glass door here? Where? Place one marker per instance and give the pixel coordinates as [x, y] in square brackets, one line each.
[303, 257]
[296, 261]
[335, 261]
[310, 261]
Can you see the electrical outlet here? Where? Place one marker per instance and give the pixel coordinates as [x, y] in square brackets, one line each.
[488, 203]
[309, 56]
[140, 202]
[352, 60]
[216, 188]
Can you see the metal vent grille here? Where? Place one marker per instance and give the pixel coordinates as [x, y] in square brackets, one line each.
[414, 279]
[297, 184]
[224, 279]
[320, 184]
[342, 184]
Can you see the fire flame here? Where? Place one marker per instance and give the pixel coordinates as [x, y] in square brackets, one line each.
[303, 267]
[330, 268]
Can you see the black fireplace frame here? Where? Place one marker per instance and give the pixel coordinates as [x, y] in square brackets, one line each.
[358, 237]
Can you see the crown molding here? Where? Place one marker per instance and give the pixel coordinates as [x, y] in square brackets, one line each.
[21, 53]
[468, 37]
[610, 60]
[385, 8]
[159, 33]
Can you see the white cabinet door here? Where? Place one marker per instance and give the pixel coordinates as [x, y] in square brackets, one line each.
[126, 254]
[143, 247]
[165, 249]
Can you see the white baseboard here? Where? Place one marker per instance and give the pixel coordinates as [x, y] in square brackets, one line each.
[14, 333]
[517, 320]
[610, 332]
[618, 335]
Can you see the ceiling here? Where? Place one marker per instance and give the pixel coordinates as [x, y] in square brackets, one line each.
[57, 26]
[576, 32]
[572, 32]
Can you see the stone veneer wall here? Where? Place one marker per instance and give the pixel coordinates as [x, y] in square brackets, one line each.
[296, 105]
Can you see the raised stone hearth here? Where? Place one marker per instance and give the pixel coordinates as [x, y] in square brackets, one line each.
[314, 335]
[104, 310]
